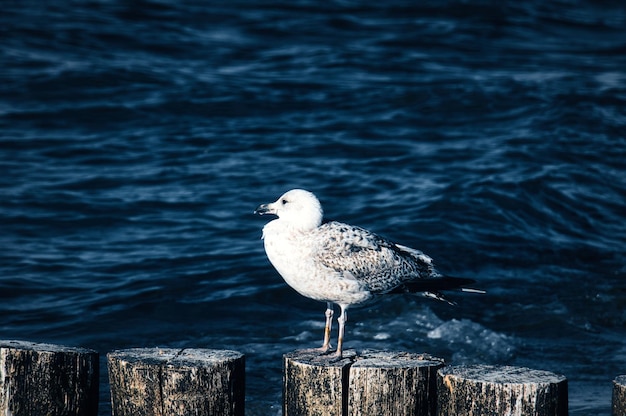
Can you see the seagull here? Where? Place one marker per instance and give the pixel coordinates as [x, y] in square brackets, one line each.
[343, 264]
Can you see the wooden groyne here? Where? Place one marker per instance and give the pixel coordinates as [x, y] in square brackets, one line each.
[619, 396]
[164, 382]
[370, 383]
[500, 390]
[43, 379]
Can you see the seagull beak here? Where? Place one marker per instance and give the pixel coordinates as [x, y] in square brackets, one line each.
[264, 209]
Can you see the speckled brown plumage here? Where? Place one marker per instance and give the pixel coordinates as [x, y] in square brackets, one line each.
[340, 263]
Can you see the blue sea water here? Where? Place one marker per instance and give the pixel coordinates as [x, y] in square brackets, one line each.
[136, 139]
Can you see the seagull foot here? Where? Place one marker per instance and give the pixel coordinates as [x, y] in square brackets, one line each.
[320, 351]
[337, 356]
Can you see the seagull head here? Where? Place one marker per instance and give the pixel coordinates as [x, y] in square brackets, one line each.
[298, 208]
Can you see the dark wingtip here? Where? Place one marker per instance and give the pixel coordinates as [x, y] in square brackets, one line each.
[434, 285]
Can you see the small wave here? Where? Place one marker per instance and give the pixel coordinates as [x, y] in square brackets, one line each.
[473, 342]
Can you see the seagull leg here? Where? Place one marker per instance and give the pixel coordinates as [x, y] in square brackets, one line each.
[329, 323]
[342, 324]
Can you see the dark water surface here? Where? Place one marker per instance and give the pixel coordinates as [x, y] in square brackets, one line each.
[138, 137]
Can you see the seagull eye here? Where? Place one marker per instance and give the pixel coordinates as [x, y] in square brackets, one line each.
[284, 202]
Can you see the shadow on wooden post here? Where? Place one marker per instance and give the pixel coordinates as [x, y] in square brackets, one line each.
[500, 390]
[619, 396]
[371, 383]
[45, 379]
[170, 382]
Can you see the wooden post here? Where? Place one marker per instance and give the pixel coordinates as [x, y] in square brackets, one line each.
[169, 382]
[500, 390]
[392, 383]
[314, 384]
[45, 379]
[619, 396]
[374, 382]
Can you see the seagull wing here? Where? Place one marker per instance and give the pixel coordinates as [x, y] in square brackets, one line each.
[375, 262]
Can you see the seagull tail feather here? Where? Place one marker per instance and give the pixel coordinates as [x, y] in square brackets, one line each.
[440, 283]
[432, 287]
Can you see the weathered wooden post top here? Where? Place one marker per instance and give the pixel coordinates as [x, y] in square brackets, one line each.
[170, 382]
[619, 396]
[370, 383]
[46, 379]
[500, 390]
